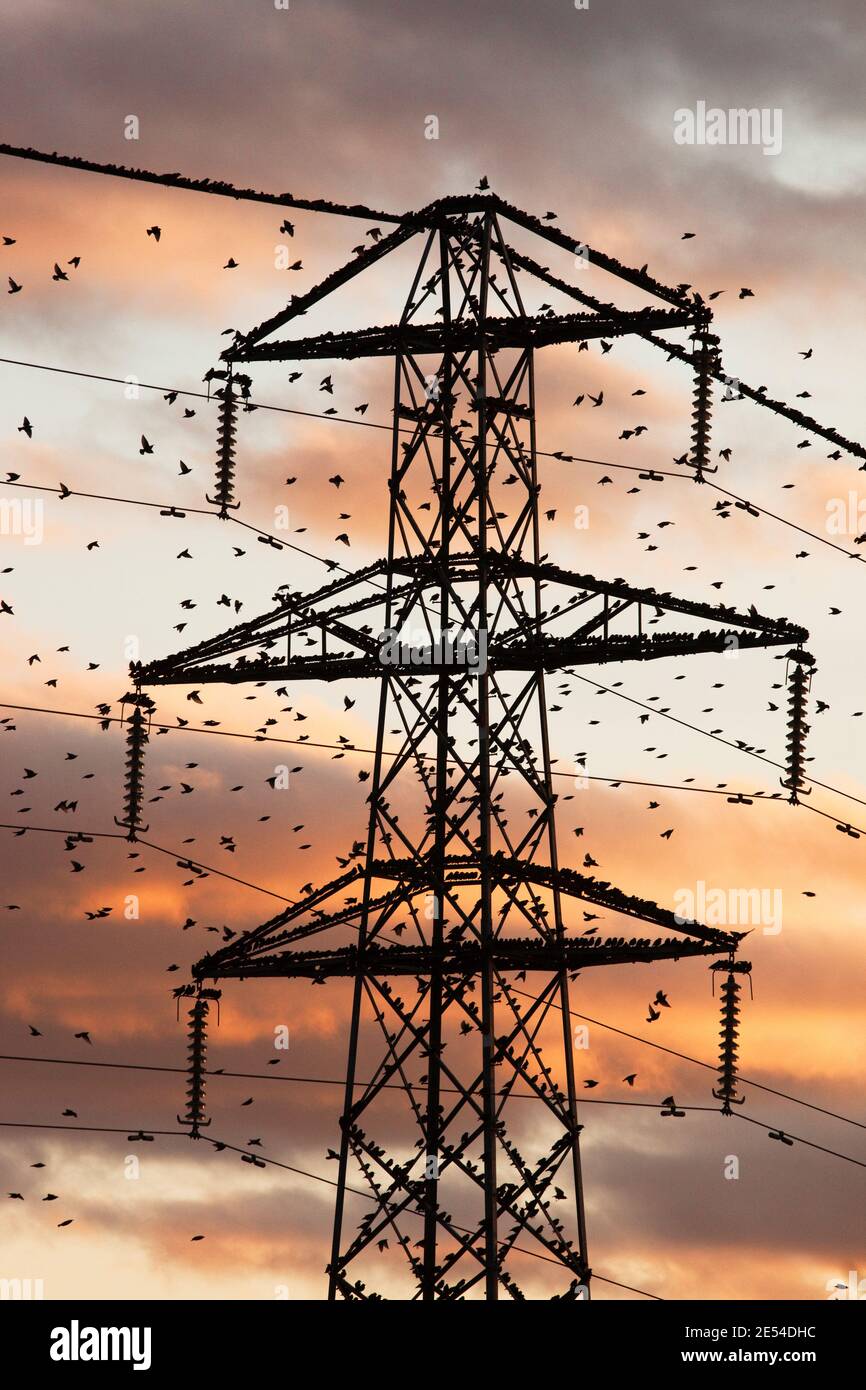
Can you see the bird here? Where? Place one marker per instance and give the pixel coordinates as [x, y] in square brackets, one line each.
[14, 287]
[746, 293]
[85, 1037]
[146, 446]
[630, 1079]
[653, 1014]
[58, 273]
[155, 232]
[26, 428]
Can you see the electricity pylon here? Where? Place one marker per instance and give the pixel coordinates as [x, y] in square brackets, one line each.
[453, 917]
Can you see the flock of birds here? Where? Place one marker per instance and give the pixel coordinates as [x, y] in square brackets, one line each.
[228, 842]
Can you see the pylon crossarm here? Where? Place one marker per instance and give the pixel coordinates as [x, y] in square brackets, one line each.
[557, 237]
[660, 602]
[248, 953]
[275, 933]
[554, 653]
[438, 339]
[521, 647]
[514, 954]
[238, 352]
[675, 351]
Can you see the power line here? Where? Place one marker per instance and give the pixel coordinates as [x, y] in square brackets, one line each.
[695, 728]
[804, 531]
[709, 1066]
[464, 1230]
[336, 419]
[184, 860]
[217, 187]
[798, 1139]
[178, 510]
[587, 680]
[324, 1081]
[196, 395]
[300, 1172]
[518, 1095]
[559, 455]
[484, 334]
[93, 1129]
[357, 748]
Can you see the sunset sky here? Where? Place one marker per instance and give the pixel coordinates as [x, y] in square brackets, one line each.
[563, 110]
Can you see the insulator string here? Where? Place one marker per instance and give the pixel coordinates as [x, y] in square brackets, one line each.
[137, 738]
[226, 457]
[799, 682]
[729, 1035]
[197, 1062]
[706, 361]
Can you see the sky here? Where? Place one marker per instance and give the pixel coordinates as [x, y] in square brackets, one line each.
[563, 110]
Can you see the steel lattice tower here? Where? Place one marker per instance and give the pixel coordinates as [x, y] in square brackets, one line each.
[456, 895]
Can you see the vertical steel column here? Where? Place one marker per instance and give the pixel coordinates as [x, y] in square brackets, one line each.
[491, 1249]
